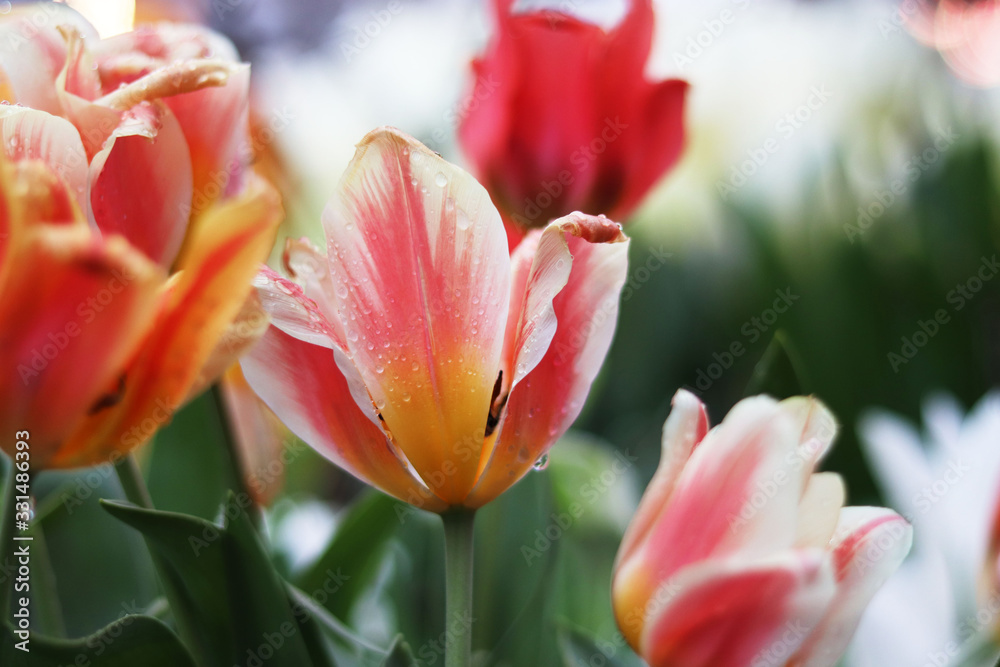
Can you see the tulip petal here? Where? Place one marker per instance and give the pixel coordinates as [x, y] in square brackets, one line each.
[819, 510]
[33, 52]
[80, 318]
[566, 324]
[29, 134]
[214, 121]
[206, 293]
[817, 426]
[738, 614]
[740, 487]
[653, 137]
[686, 426]
[303, 385]
[869, 545]
[141, 182]
[421, 270]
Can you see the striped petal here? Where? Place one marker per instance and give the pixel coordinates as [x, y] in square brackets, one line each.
[755, 614]
[868, 546]
[686, 426]
[421, 270]
[566, 322]
[304, 386]
[141, 182]
[203, 297]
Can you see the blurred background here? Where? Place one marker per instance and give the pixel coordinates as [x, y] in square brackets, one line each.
[839, 186]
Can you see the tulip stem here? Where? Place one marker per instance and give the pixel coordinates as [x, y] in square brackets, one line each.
[237, 469]
[458, 547]
[132, 482]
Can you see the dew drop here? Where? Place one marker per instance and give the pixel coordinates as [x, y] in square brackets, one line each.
[542, 463]
[440, 180]
[462, 220]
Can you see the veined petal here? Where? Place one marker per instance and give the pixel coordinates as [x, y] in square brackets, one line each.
[740, 614]
[566, 323]
[141, 182]
[421, 270]
[737, 494]
[686, 426]
[868, 546]
[292, 311]
[302, 383]
[205, 294]
[29, 134]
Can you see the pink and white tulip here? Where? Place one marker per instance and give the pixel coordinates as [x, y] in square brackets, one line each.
[418, 353]
[740, 555]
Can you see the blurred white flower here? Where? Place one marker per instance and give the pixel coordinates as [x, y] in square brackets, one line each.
[946, 482]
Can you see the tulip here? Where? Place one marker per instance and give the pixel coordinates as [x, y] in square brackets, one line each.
[739, 553]
[418, 353]
[561, 117]
[146, 264]
[965, 32]
[944, 474]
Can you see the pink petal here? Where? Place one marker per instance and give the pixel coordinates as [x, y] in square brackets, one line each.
[304, 386]
[869, 545]
[421, 270]
[33, 52]
[567, 319]
[686, 426]
[817, 428]
[36, 135]
[819, 510]
[738, 493]
[736, 614]
[141, 182]
[215, 122]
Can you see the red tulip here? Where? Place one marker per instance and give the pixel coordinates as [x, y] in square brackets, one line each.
[564, 119]
[739, 554]
[148, 263]
[418, 353]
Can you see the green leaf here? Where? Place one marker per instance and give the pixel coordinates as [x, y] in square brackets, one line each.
[228, 590]
[131, 640]
[579, 649]
[778, 373]
[355, 551]
[399, 655]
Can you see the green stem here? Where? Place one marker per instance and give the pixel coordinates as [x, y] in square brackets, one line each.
[132, 482]
[235, 457]
[458, 547]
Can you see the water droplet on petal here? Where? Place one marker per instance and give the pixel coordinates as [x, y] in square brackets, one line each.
[440, 180]
[542, 463]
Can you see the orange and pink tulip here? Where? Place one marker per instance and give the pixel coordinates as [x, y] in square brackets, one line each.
[740, 554]
[417, 352]
[133, 228]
